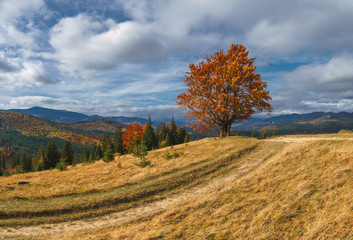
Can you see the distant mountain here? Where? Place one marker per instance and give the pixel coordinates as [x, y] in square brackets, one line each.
[64, 116]
[298, 123]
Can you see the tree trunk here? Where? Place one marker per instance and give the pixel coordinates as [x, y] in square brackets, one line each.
[225, 129]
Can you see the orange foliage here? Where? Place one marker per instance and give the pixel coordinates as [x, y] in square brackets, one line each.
[224, 90]
[134, 132]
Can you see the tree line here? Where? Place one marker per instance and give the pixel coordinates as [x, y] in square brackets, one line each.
[123, 142]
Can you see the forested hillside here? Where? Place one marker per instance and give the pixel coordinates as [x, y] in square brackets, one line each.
[31, 126]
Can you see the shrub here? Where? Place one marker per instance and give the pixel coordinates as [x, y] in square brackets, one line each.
[140, 151]
[6, 173]
[61, 165]
[169, 155]
[143, 163]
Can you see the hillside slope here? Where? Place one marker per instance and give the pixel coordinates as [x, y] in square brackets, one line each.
[31, 126]
[234, 188]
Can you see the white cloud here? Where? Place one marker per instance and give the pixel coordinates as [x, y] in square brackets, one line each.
[10, 13]
[87, 43]
[26, 74]
[333, 79]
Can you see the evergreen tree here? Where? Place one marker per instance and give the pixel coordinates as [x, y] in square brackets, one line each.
[25, 160]
[118, 141]
[161, 132]
[108, 154]
[98, 153]
[3, 165]
[106, 142]
[85, 155]
[149, 137]
[187, 138]
[253, 134]
[181, 135]
[274, 134]
[92, 156]
[239, 134]
[168, 141]
[52, 155]
[68, 153]
[14, 160]
[173, 135]
[40, 159]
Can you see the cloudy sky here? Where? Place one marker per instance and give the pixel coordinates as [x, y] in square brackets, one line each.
[118, 57]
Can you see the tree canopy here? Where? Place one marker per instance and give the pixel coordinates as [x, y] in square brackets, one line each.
[224, 89]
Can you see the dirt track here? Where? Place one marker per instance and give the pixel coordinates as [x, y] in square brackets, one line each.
[246, 164]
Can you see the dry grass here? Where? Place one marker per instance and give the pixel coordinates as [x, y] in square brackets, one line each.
[103, 176]
[304, 192]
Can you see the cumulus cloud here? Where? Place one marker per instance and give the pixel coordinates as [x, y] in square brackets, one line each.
[31, 73]
[7, 67]
[333, 79]
[87, 43]
[11, 12]
[316, 86]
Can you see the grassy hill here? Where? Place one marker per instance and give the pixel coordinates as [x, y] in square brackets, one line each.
[233, 188]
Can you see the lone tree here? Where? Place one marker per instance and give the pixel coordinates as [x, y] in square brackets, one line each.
[224, 89]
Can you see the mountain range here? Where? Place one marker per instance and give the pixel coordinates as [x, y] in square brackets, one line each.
[314, 122]
[64, 116]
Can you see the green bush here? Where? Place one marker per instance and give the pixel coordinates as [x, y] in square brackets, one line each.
[61, 165]
[169, 155]
[143, 163]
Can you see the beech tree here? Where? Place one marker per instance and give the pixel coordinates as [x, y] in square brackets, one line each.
[224, 89]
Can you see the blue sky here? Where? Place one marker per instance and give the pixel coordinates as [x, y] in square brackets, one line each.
[116, 57]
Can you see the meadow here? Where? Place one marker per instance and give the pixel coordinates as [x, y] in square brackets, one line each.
[289, 187]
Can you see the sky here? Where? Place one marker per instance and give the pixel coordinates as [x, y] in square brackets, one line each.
[118, 57]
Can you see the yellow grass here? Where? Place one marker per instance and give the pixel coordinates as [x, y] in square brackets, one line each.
[101, 175]
[303, 192]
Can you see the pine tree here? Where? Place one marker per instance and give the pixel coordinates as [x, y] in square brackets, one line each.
[161, 132]
[106, 142]
[274, 134]
[187, 138]
[85, 155]
[39, 161]
[68, 153]
[118, 141]
[108, 154]
[3, 165]
[253, 134]
[168, 141]
[173, 135]
[52, 155]
[181, 135]
[149, 137]
[92, 156]
[25, 160]
[98, 153]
